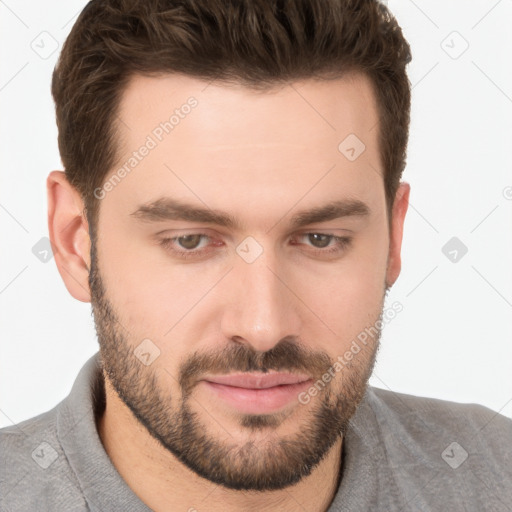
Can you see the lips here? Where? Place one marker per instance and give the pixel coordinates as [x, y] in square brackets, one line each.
[251, 393]
[258, 381]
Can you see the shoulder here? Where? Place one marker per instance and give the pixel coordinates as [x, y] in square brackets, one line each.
[429, 454]
[35, 473]
[445, 434]
[464, 419]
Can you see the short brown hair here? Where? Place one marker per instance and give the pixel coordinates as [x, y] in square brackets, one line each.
[256, 43]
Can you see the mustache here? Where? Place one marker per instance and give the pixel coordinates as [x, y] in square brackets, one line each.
[289, 355]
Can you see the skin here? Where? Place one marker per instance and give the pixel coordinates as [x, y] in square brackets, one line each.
[260, 157]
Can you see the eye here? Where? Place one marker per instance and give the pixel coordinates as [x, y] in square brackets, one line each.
[322, 242]
[189, 242]
[188, 246]
[197, 245]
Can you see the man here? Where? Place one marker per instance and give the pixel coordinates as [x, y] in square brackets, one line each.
[232, 208]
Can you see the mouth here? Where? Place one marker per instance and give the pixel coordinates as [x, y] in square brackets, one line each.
[257, 393]
[258, 380]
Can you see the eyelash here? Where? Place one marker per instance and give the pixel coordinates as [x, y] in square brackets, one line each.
[343, 242]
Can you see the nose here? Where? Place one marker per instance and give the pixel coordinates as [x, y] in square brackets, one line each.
[262, 307]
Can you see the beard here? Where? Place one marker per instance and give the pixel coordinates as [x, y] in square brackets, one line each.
[275, 462]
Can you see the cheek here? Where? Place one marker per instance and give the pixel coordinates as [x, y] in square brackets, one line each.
[145, 299]
[152, 303]
[348, 296]
[150, 292]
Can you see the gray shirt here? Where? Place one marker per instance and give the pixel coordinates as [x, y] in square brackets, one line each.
[401, 452]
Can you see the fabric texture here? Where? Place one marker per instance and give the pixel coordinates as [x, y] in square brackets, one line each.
[401, 453]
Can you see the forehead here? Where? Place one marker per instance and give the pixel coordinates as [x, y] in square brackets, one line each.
[289, 111]
[227, 144]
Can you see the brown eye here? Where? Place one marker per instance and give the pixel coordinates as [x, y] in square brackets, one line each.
[319, 240]
[324, 244]
[191, 245]
[189, 241]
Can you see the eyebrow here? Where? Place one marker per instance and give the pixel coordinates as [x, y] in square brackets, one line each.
[167, 208]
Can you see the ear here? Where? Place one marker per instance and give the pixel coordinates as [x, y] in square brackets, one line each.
[400, 206]
[69, 235]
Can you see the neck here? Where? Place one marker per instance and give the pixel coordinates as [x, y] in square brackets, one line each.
[164, 483]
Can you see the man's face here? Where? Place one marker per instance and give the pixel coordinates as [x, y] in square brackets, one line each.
[182, 298]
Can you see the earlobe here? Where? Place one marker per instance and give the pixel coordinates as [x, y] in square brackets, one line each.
[400, 205]
[69, 235]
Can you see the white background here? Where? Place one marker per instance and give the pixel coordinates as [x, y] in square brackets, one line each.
[453, 338]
